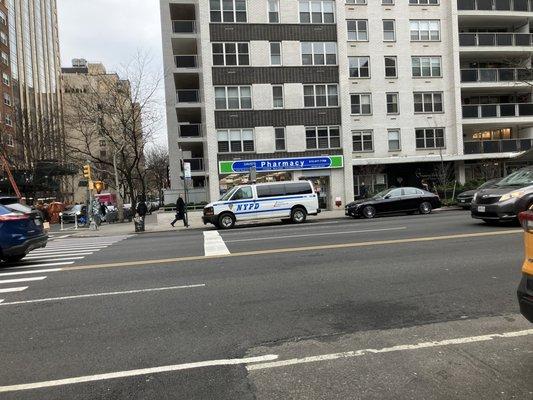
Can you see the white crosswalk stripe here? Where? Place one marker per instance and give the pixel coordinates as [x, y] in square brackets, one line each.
[62, 251]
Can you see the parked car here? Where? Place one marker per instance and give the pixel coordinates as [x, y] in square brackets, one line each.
[21, 231]
[506, 199]
[77, 211]
[525, 289]
[464, 199]
[397, 200]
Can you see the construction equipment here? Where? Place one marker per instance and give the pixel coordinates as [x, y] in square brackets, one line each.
[7, 168]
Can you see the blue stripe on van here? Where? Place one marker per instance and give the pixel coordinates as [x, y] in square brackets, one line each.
[263, 211]
[267, 199]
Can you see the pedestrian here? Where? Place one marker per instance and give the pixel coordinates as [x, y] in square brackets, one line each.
[103, 211]
[425, 185]
[180, 212]
[363, 191]
[142, 209]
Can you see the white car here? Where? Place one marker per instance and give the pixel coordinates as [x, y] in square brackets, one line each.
[292, 201]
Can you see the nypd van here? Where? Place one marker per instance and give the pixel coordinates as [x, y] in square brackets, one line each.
[291, 201]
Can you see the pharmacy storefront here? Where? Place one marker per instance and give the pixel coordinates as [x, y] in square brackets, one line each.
[325, 172]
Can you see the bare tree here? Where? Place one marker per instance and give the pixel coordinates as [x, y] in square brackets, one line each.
[157, 164]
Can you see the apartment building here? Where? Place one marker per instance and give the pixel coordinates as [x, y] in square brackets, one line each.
[7, 140]
[345, 92]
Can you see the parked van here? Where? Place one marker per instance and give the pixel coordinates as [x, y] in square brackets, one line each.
[292, 201]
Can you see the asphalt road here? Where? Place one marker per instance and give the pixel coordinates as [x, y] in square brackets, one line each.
[406, 307]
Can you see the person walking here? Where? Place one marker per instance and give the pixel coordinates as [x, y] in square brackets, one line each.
[180, 212]
[363, 191]
[142, 210]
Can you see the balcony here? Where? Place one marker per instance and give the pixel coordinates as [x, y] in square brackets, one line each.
[497, 146]
[480, 75]
[197, 164]
[495, 5]
[188, 96]
[190, 130]
[184, 26]
[186, 61]
[495, 39]
[498, 110]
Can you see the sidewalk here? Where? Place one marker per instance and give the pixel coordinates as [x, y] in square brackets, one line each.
[160, 222]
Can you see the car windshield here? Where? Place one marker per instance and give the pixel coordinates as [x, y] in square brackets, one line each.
[488, 183]
[228, 194]
[75, 208]
[382, 194]
[523, 177]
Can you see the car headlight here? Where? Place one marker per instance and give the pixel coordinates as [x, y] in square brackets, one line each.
[512, 195]
[60, 214]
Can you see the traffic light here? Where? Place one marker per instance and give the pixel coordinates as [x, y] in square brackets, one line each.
[87, 171]
[99, 186]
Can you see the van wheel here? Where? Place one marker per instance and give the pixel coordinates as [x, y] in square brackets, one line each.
[298, 215]
[226, 221]
[425, 208]
[369, 212]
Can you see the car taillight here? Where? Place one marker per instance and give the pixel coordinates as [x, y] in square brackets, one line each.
[13, 217]
[526, 220]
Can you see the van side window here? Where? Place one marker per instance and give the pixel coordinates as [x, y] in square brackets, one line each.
[299, 188]
[277, 190]
[263, 191]
[244, 193]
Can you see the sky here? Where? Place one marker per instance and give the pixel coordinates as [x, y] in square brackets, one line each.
[112, 32]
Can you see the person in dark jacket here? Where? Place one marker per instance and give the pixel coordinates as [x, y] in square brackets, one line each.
[142, 209]
[180, 212]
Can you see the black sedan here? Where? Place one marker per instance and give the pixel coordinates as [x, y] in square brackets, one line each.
[464, 199]
[399, 200]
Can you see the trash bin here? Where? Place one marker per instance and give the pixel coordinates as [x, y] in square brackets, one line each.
[139, 224]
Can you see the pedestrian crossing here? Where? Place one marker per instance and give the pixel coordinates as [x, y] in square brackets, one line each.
[60, 253]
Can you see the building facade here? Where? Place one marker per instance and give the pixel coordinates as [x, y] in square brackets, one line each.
[344, 92]
[6, 90]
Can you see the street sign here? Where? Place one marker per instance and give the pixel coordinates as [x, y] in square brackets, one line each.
[281, 164]
[187, 170]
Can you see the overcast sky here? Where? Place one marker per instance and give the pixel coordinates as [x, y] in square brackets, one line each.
[111, 32]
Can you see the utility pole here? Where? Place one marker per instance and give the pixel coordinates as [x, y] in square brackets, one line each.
[120, 202]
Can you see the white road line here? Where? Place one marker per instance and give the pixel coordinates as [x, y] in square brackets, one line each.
[47, 259]
[13, 289]
[56, 252]
[84, 296]
[42, 256]
[407, 347]
[37, 271]
[136, 372]
[214, 244]
[37, 278]
[46, 264]
[401, 228]
[1, 300]
[72, 248]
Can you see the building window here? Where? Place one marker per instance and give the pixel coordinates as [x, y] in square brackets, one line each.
[317, 11]
[323, 137]
[277, 95]
[5, 58]
[428, 102]
[389, 30]
[235, 141]
[361, 104]
[321, 96]
[424, 2]
[429, 138]
[3, 38]
[7, 99]
[391, 68]
[393, 101]
[358, 30]
[363, 141]
[3, 18]
[275, 53]
[279, 134]
[6, 79]
[273, 11]
[8, 140]
[359, 67]
[233, 98]
[425, 30]
[228, 10]
[231, 54]
[387, 2]
[394, 139]
[319, 53]
[427, 67]
[360, 2]
[8, 120]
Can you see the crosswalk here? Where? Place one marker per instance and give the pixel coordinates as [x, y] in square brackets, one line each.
[60, 253]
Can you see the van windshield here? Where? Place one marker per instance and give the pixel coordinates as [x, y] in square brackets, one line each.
[523, 177]
[228, 194]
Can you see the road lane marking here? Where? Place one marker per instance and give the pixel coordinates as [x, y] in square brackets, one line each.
[46, 264]
[1, 300]
[401, 228]
[408, 347]
[37, 278]
[84, 296]
[149, 263]
[14, 289]
[42, 257]
[37, 271]
[48, 259]
[136, 372]
[58, 252]
[214, 244]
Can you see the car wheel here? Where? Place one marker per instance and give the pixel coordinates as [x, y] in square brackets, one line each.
[226, 221]
[369, 212]
[298, 215]
[425, 208]
[14, 259]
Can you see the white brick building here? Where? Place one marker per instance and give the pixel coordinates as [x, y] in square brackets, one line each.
[379, 92]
